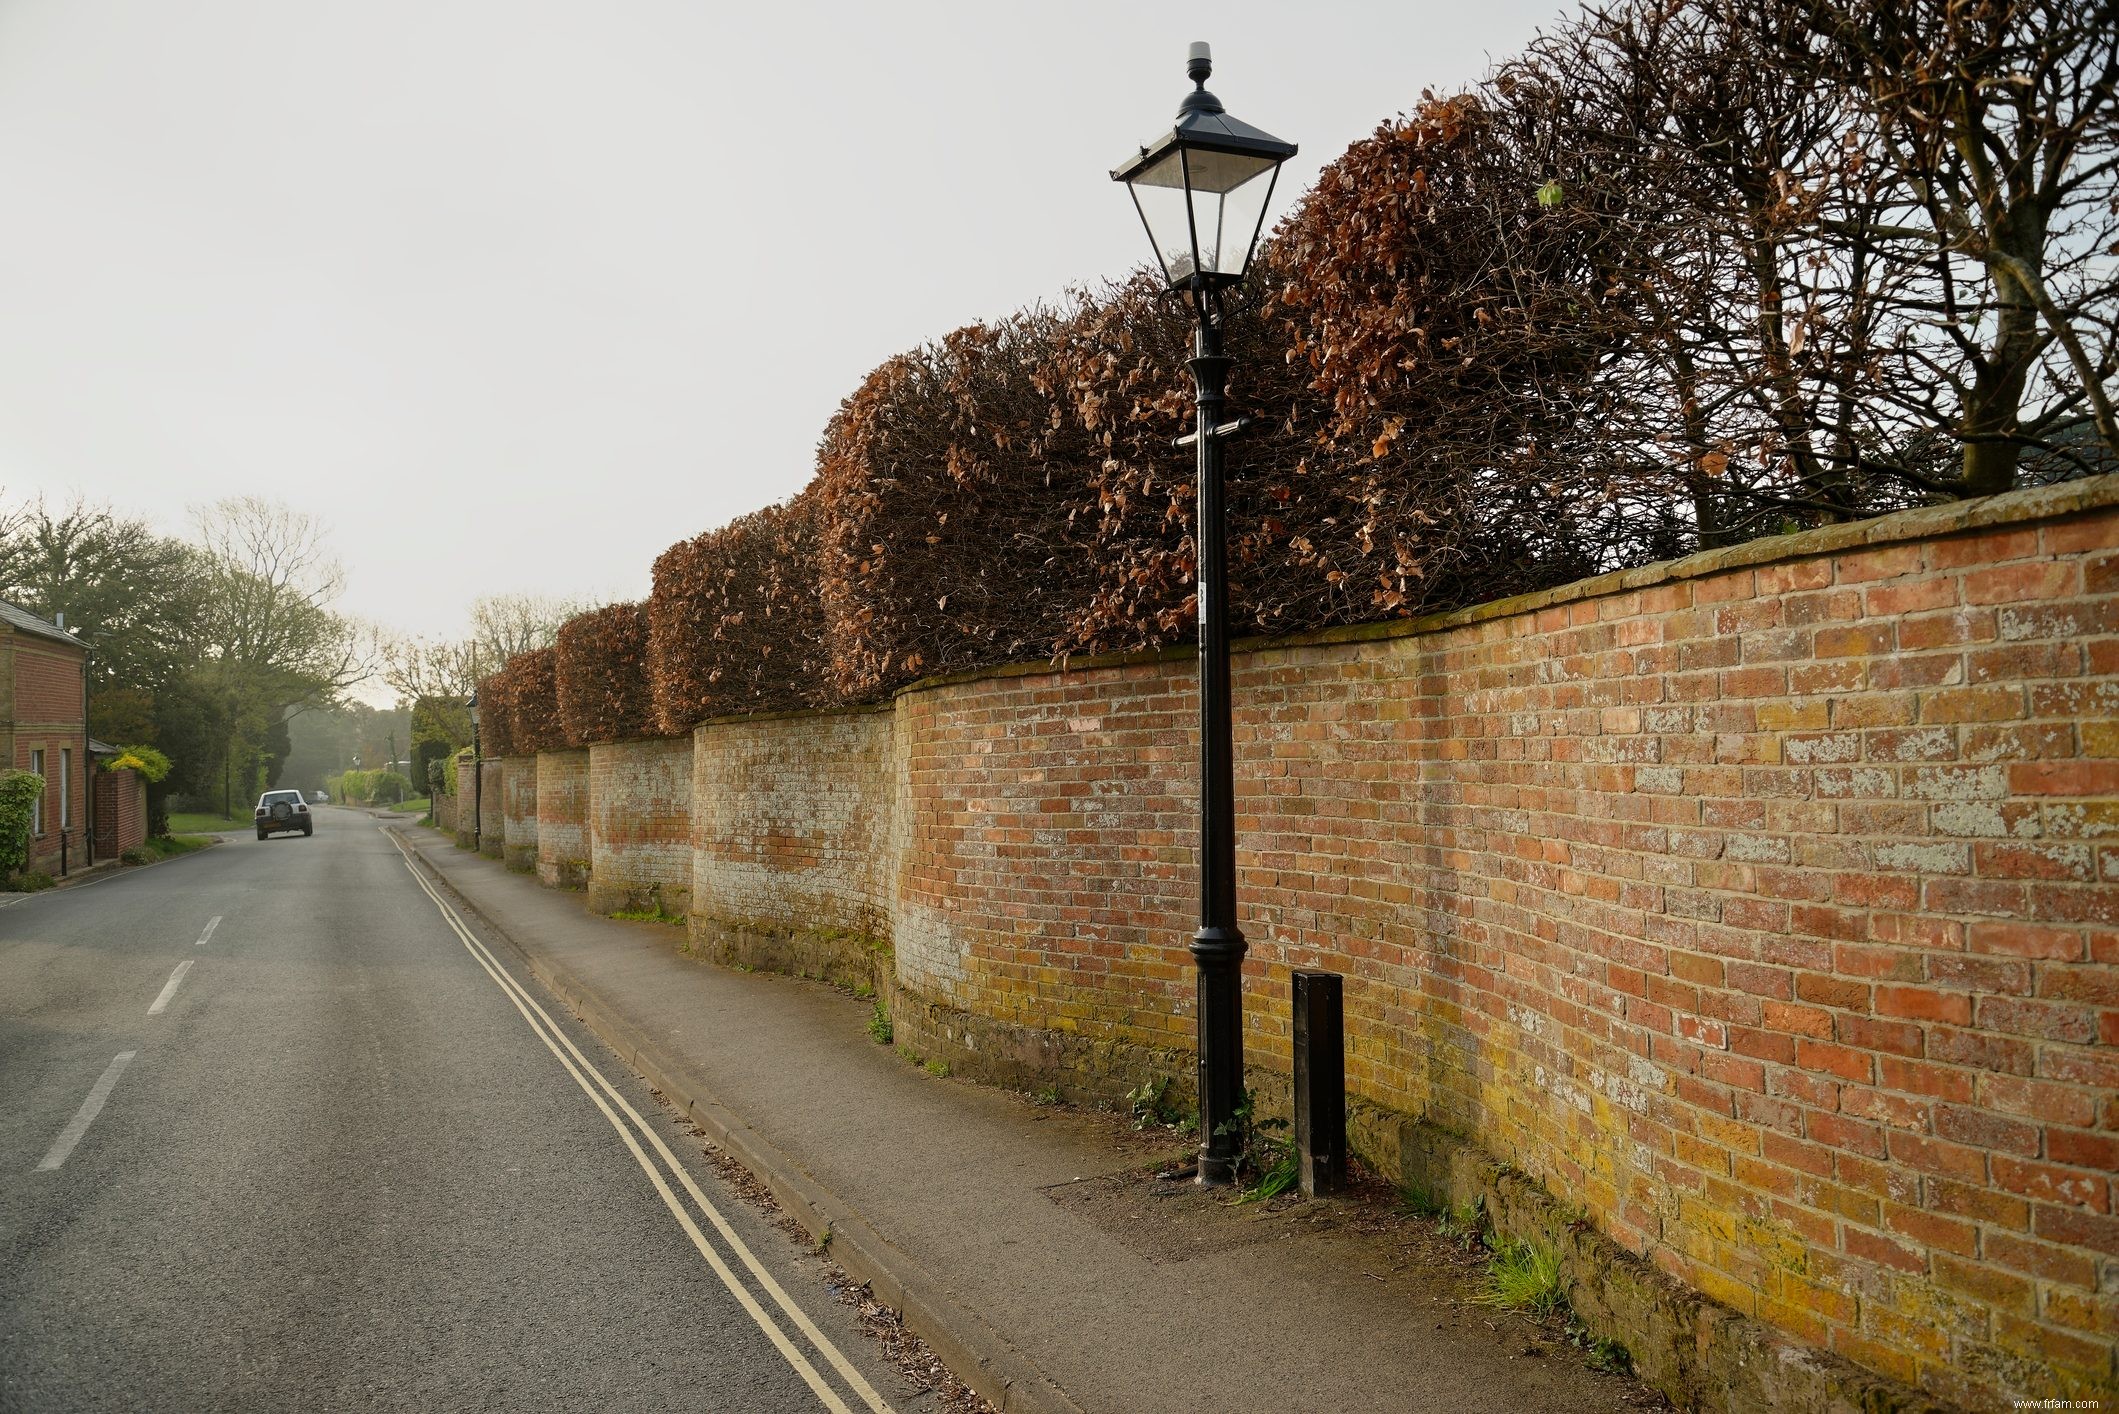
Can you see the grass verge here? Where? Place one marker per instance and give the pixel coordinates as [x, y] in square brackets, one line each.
[191, 823]
[165, 847]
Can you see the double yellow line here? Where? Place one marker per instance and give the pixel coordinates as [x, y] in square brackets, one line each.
[632, 1129]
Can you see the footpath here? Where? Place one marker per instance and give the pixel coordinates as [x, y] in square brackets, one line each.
[1030, 1246]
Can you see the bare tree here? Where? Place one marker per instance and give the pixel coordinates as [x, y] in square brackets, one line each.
[503, 625]
[269, 578]
[417, 668]
[1995, 127]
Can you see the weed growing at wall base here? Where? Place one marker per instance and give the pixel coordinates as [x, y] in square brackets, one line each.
[1524, 1277]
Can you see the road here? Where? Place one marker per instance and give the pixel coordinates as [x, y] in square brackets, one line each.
[349, 1157]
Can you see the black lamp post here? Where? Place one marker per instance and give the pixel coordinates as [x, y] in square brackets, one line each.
[1201, 190]
[477, 782]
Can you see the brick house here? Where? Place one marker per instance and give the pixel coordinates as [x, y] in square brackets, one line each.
[44, 730]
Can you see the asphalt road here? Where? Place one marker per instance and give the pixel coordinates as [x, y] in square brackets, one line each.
[343, 1167]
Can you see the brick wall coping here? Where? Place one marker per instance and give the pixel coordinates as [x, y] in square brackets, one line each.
[2033, 503]
[849, 709]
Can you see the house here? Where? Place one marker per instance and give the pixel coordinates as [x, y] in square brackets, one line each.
[82, 817]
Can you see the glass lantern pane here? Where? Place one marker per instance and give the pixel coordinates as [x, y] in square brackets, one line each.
[1159, 192]
[1224, 171]
[1228, 217]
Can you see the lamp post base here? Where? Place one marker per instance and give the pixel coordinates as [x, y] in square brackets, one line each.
[1219, 953]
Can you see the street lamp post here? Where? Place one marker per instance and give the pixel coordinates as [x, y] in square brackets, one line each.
[1201, 190]
[478, 782]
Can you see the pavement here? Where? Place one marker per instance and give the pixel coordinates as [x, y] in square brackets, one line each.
[274, 1135]
[1031, 1245]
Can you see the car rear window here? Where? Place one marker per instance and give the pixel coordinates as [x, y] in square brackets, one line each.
[274, 797]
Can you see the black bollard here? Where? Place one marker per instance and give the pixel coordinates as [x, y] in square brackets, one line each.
[1320, 1082]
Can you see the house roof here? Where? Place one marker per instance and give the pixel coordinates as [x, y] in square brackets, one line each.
[28, 622]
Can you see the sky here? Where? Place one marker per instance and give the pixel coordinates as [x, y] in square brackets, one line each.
[516, 293]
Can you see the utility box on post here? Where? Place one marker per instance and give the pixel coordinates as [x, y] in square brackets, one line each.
[1320, 1082]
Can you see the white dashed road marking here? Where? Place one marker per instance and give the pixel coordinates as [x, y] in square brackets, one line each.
[86, 1115]
[169, 988]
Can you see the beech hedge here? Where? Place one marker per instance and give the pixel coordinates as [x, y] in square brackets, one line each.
[1010, 492]
[496, 717]
[600, 669]
[1423, 353]
[735, 623]
[533, 703]
[952, 500]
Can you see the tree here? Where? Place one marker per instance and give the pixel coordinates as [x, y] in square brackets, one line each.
[427, 670]
[269, 644]
[134, 596]
[1994, 126]
[1860, 254]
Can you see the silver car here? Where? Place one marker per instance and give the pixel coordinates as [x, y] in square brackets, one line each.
[284, 812]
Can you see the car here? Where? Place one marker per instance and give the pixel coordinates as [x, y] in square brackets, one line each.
[283, 812]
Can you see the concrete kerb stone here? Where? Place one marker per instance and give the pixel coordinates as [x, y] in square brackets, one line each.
[973, 1350]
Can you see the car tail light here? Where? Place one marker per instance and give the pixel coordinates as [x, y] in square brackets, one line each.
[301, 809]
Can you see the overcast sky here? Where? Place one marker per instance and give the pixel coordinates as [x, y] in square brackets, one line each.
[515, 293]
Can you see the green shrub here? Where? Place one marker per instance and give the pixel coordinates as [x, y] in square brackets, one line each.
[19, 792]
[27, 882]
[151, 764]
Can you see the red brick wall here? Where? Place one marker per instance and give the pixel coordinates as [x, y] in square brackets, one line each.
[492, 821]
[519, 791]
[121, 812]
[47, 684]
[45, 850]
[1768, 910]
[791, 827]
[640, 826]
[1047, 833]
[563, 819]
[469, 807]
[46, 695]
[1765, 904]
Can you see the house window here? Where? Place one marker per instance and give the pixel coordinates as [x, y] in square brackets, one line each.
[36, 768]
[66, 788]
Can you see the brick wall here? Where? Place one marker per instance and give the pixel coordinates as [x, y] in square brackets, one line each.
[1767, 905]
[121, 812]
[43, 713]
[520, 791]
[1045, 884]
[58, 847]
[469, 806]
[563, 819]
[492, 812]
[47, 684]
[791, 840]
[640, 826]
[1764, 904]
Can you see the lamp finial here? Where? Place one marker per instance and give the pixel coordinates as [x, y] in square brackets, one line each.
[1199, 62]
